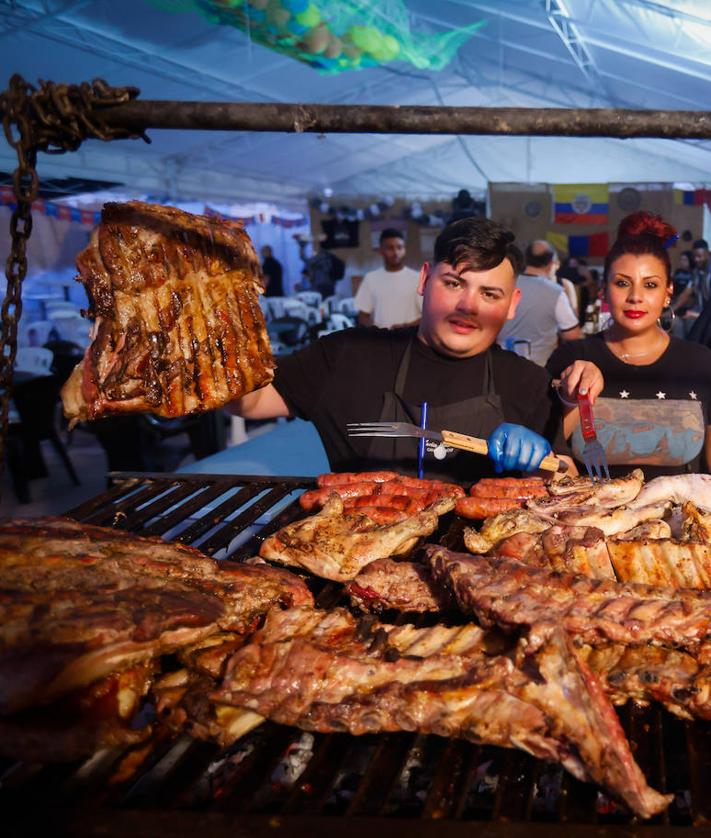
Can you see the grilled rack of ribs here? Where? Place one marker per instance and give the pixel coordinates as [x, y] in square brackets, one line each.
[178, 328]
[325, 671]
[78, 603]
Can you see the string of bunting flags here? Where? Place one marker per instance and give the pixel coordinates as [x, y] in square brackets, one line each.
[64, 212]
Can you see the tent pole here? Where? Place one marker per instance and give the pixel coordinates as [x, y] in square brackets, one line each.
[394, 119]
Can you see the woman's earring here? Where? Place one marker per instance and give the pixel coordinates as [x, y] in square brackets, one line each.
[667, 318]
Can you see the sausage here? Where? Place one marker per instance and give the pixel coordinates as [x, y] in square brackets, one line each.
[339, 478]
[399, 502]
[509, 481]
[383, 514]
[514, 492]
[451, 490]
[485, 507]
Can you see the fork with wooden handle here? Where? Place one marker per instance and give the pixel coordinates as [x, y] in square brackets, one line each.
[451, 438]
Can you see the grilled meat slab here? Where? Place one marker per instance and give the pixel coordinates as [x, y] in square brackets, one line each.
[498, 527]
[402, 586]
[76, 725]
[325, 672]
[178, 328]
[506, 592]
[337, 546]
[78, 603]
[605, 494]
[651, 673]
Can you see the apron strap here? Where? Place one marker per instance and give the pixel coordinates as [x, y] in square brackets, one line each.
[403, 370]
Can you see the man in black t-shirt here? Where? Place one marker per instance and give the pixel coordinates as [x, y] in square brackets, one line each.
[449, 361]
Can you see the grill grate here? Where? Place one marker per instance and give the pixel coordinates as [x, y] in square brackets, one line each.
[278, 776]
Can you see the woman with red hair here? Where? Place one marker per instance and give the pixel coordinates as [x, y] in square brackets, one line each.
[651, 392]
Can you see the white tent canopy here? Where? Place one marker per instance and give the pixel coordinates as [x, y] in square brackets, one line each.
[529, 53]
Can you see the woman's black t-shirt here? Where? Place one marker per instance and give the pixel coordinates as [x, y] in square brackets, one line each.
[653, 416]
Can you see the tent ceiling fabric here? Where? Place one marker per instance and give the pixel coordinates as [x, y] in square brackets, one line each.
[529, 53]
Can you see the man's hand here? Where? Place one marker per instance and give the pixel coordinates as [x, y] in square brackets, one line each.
[515, 448]
[581, 377]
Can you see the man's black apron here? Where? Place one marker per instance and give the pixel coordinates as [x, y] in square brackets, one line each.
[476, 416]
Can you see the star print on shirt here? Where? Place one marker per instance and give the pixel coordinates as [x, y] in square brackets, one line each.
[661, 395]
[624, 394]
[693, 395]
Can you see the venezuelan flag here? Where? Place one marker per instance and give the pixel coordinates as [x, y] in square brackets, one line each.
[580, 203]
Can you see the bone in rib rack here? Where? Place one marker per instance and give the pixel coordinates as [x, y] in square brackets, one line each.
[300, 782]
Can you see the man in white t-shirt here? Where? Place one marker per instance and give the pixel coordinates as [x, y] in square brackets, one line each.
[544, 314]
[388, 296]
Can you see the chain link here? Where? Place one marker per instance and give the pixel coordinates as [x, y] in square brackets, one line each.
[56, 118]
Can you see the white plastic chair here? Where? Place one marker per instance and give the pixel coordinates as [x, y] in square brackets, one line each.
[73, 327]
[275, 306]
[347, 306]
[312, 299]
[60, 308]
[297, 308]
[330, 303]
[36, 333]
[34, 359]
[336, 323]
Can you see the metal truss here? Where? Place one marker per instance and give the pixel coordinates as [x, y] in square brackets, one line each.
[559, 18]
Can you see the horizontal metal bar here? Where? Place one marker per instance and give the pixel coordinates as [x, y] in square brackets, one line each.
[141, 115]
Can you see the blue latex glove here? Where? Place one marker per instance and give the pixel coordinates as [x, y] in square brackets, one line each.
[515, 448]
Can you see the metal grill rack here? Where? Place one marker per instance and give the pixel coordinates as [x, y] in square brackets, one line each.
[302, 784]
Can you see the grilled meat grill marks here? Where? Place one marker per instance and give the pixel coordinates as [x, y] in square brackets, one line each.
[318, 671]
[508, 593]
[178, 328]
[78, 603]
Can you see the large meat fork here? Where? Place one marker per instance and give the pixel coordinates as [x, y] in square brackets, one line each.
[593, 452]
[455, 440]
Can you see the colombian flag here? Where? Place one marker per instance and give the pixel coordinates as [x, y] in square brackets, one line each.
[580, 203]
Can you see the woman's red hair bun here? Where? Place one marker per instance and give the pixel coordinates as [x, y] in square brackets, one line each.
[645, 224]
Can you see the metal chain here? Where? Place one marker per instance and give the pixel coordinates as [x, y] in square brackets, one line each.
[56, 118]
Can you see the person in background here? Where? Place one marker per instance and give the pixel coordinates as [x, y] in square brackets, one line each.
[684, 295]
[273, 273]
[387, 297]
[655, 390]
[544, 312]
[450, 361]
[702, 273]
[576, 270]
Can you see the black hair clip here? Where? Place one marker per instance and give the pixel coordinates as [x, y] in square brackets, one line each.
[671, 241]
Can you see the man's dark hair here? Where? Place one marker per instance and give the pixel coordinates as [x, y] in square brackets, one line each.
[477, 244]
[391, 233]
[700, 243]
[539, 260]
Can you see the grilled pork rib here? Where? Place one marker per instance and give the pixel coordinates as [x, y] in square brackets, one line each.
[78, 603]
[324, 671]
[178, 328]
[506, 592]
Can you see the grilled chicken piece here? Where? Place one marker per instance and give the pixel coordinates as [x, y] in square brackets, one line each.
[338, 546]
[615, 521]
[655, 528]
[499, 527]
[695, 524]
[402, 586]
[507, 593]
[605, 494]
[178, 328]
[328, 673]
[78, 603]
[677, 489]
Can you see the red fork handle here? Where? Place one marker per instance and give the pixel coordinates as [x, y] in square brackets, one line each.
[587, 424]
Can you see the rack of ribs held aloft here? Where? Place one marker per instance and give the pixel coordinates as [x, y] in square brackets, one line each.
[177, 323]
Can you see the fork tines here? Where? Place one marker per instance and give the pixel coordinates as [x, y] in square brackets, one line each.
[381, 429]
